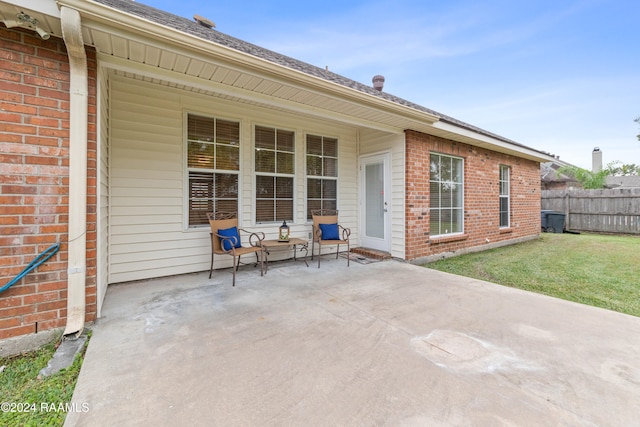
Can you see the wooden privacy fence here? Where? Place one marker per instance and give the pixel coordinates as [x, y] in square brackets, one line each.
[603, 211]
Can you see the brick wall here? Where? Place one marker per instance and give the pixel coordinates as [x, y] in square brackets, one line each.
[481, 196]
[34, 181]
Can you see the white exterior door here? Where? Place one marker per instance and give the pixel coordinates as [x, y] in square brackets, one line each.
[375, 212]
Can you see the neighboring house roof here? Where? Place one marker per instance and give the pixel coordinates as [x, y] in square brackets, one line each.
[622, 182]
[549, 172]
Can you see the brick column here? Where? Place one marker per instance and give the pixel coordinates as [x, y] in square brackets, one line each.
[34, 180]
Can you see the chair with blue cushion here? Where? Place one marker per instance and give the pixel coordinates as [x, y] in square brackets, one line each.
[226, 240]
[327, 231]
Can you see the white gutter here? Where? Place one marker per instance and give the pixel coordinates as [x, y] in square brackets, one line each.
[467, 136]
[79, 95]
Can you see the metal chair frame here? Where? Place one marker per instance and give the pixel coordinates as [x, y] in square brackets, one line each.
[328, 216]
[223, 220]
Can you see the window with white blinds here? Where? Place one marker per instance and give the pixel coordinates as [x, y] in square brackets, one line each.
[446, 195]
[322, 173]
[274, 172]
[213, 164]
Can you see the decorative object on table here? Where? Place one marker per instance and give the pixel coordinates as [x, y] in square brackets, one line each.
[283, 232]
[327, 231]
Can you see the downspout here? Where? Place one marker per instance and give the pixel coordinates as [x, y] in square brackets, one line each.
[79, 95]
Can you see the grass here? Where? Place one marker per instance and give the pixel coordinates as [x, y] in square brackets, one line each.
[598, 270]
[34, 400]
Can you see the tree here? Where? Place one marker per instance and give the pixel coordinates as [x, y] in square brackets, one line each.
[589, 180]
[618, 169]
[637, 120]
[596, 180]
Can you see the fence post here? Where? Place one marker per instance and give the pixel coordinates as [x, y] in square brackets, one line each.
[567, 211]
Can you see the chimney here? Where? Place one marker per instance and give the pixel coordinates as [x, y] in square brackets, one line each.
[378, 82]
[596, 160]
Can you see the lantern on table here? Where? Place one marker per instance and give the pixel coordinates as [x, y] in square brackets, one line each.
[283, 232]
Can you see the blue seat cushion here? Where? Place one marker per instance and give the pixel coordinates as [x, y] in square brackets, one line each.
[330, 232]
[230, 232]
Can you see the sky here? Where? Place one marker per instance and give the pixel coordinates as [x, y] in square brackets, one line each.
[559, 76]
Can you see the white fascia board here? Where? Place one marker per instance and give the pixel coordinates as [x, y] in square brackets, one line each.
[494, 144]
[120, 20]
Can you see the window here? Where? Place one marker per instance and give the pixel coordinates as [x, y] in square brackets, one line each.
[213, 162]
[274, 166]
[322, 173]
[446, 189]
[505, 175]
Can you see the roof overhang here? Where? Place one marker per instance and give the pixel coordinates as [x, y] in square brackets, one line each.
[455, 133]
[145, 44]
[148, 50]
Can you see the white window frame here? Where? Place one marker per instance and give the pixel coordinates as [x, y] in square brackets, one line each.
[274, 174]
[211, 171]
[440, 209]
[505, 195]
[321, 177]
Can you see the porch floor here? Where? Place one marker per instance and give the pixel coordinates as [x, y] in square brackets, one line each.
[384, 343]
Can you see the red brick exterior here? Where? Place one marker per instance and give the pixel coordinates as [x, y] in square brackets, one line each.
[34, 181]
[481, 196]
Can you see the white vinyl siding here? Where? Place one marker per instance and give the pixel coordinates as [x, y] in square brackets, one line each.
[146, 202]
[149, 234]
[102, 253]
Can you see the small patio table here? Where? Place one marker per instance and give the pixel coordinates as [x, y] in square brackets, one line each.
[294, 242]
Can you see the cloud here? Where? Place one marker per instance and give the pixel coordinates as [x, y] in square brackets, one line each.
[530, 72]
[380, 32]
[350, 41]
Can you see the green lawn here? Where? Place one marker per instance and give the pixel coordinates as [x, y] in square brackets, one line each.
[29, 400]
[598, 270]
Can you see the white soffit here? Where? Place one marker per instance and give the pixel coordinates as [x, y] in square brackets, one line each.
[200, 72]
[117, 34]
[44, 11]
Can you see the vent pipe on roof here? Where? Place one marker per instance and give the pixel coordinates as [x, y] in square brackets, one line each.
[207, 23]
[378, 82]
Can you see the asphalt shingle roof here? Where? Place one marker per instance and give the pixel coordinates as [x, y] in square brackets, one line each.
[191, 27]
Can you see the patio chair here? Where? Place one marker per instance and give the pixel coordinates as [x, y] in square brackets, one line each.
[226, 240]
[327, 231]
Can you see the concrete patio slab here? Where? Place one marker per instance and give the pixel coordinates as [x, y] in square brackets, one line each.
[384, 343]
